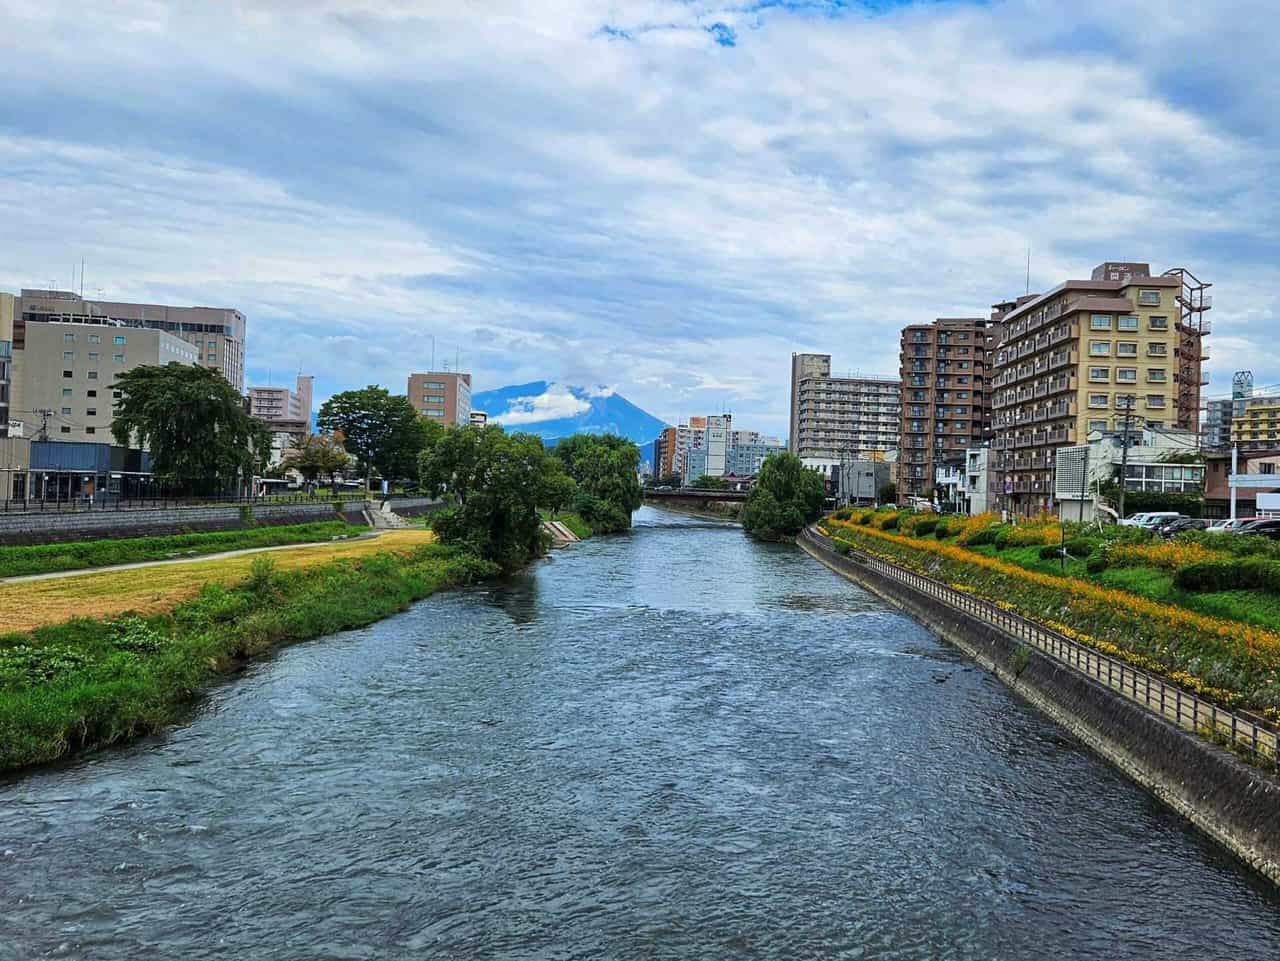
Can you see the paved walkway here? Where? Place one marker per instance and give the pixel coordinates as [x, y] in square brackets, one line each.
[189, 559]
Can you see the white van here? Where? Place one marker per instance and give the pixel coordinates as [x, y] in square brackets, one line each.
[1156, 519]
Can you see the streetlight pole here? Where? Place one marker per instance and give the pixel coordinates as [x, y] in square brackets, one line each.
[1124, 449]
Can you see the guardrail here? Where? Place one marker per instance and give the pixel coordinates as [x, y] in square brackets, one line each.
[1187, 710]
[100, 503]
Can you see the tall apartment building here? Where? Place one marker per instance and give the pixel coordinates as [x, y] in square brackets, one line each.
[945, 400]
[1258, 428]
[216, 333]
[286, 412]
[1222, 413]
[840, 417]
[1090, 355]
[63, 372]
[442, 395]
[7, 304]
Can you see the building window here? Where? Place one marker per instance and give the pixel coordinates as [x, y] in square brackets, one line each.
[68, 338]
[1100, 322]
[91, 430]
[1100, 373]
[1098, 424]
[93, 375]
[1156, 375]
[434, 413]
[1157, 350]
[1126, 374]
[91, 412]
[118, 340]
[91, 393]
[1099, 348]
[64, 430]
[1155, 400]
[118, 358]
[95, 339]
[1127, 323]
[68, 356]
[66, 373]
[66, 392]
[1158, 323]
[1149, 298]
[1098, 400]
[93, 356]
[211, 357]
[1126, 349]
[66, 411]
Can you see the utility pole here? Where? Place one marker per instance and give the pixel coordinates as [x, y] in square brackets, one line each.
[43, 433]
[1124, 449]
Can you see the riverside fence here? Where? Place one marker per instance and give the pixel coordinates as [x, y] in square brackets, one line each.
[1246, 732]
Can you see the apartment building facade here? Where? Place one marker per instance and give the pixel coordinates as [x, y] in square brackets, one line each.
[217, 334]
[7, 304]
[286, 412]
[1258, 427]
[945, 397]
[442, 395]
[1089, 355]
[62, 375]
[841, 417]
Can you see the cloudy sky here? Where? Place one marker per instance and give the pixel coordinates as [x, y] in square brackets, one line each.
[665, 197]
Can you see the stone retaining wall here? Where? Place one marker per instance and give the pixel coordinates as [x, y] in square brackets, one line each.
[1233, 802]
[37, 528]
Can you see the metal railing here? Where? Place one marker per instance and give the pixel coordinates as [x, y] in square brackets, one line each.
[160, 501]
[1186, 710]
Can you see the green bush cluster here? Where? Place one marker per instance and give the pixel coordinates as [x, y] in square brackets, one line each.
[1075, 547]
[1250, 574]
[890, 522]
[942, 531]
[925, 527]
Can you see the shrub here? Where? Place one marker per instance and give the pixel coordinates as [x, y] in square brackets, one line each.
[1168, 556]
[1229, 575]
[889, 522]
[942, 530]
[924, 527]
[866, 519]
[985, 535]
[843, 514]
[1096, 562]
[1076, 547]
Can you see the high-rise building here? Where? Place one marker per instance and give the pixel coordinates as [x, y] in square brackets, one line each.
[945, 399]
[835, 417]
[442, 395]
[1222, 413]
[286, 412]
[216, 333]
[1258, 427]
[63, 373]
[710, 446]
[7, 304]
[1091, 355]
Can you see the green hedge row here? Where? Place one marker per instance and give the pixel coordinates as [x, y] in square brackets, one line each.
[1251, 574]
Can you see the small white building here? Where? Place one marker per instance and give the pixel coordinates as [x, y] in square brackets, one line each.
[977, 479]
[1159, 460]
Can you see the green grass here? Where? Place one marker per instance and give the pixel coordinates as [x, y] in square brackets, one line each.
[80, 555]
[88, 683]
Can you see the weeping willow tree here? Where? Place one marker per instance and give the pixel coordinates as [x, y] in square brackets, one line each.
[194, 423]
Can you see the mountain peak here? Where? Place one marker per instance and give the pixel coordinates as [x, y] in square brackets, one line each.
[552, 410]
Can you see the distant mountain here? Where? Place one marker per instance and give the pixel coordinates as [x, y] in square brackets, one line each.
[553, 410]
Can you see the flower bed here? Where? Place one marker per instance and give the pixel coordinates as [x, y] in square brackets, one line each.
[1232, 663]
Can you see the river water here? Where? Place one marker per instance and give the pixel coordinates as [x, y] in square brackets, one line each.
[669, 744]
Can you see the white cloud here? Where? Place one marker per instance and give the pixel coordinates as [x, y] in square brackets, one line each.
[555, 402]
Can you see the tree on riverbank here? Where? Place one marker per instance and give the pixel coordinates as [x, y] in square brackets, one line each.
[787, 496]
[379, 429]
[497, 481]
[194, 424]
[605, 468]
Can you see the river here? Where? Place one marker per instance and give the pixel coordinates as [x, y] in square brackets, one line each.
[669, 744]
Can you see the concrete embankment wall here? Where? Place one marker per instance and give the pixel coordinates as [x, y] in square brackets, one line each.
[1233, 802]
[37, 528]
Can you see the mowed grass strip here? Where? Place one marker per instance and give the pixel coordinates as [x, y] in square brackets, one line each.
[22, 560]
[25, 606]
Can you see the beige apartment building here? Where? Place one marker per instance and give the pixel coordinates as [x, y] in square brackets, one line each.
[442, 395]
[1090, 355]
[286, 412]
[62, 376]
[1258, 428]
[216, 333]
[945, 397]
[835, 418]
[7, 304]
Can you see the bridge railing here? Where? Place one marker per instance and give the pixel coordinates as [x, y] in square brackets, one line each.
[1241, 730]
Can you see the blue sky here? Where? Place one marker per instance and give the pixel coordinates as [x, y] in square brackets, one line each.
[666, 198]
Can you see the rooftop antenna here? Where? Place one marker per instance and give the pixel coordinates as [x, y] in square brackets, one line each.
[1028, 270]
[82, 278]
[433, 351]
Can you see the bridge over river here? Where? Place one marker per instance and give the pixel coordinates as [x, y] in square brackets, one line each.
[675, 743]
[692, 498]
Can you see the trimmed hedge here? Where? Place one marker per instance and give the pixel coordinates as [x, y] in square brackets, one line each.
[942, 530]
[925, 527]
[1076, 547]
[1248, 575]
[889, 523]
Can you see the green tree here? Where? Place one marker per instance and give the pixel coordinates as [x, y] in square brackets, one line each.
[888, 493]
[380, 430]
[496, 480]
[604, 466]
[558, 488]
[194, 424]
[316, 455]
[787, 496]
[708, 482]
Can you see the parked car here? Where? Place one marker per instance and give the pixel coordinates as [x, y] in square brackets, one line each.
[1183, 524]
[1229, 526]
[1134, 520]
[1264, 527]
[1154, 520]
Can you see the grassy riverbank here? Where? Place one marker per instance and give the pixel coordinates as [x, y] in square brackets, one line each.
[1123, 602]
[81, 555]
[90, 682]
